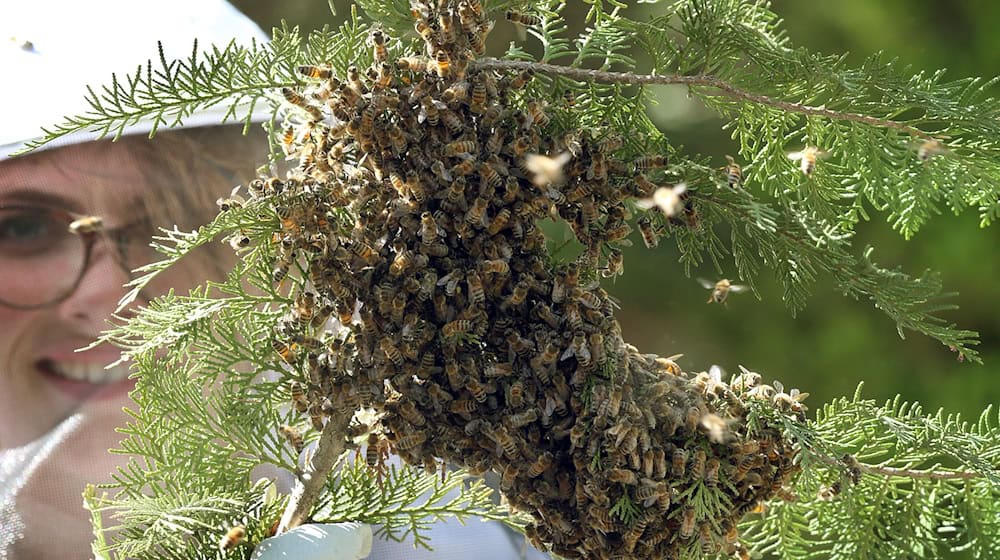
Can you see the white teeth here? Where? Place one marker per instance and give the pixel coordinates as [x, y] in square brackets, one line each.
[93, 373]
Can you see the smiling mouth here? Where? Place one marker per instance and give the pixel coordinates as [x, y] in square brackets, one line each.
[94, 373]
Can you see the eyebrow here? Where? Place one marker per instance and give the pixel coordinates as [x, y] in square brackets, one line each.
[41, 198]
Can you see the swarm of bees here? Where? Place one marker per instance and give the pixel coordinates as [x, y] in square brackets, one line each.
[456, 326]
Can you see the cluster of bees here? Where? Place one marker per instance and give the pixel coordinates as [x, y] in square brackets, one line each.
[413, 215]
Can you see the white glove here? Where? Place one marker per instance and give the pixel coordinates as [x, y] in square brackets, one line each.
[318, 541]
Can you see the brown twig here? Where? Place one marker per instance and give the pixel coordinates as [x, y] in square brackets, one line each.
[728, 89]
[905, 473]
[332, 442]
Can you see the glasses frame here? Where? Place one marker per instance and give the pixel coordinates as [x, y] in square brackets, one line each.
[89, 239]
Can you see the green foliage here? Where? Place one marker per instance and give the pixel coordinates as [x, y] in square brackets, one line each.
[925, 484]
[928, 483]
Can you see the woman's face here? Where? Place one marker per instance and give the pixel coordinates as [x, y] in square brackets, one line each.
[46, 385]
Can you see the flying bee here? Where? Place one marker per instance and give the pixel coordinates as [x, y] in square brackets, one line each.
[930, 148]
[315, 72]
[233, 538]
[442, 63]
[86, 224]
[522, 22]
[293, 436]
[721, 289]
[667, 199]
[734, 173]
[716, 427]
[807, 158]
[545, 170]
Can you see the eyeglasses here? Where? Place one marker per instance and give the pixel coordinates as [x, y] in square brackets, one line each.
[44, 252]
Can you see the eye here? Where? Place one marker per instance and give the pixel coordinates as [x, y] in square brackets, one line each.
[26, 232]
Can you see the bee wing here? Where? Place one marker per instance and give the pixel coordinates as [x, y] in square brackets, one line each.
[567, 354]
[645, 203]
[778, 386]
[738, 288]
[707, 284]
[795, 156]
[715, 372]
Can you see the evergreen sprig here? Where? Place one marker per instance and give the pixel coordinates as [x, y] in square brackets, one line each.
[886, 481]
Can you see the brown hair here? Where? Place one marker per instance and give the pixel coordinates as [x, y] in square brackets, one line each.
[189, 169]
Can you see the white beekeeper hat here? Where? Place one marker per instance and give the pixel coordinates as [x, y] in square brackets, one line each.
[50, 50]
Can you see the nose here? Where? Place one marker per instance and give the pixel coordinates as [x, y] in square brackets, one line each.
[96, 297]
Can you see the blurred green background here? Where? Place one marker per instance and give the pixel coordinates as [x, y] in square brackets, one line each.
[835, 342]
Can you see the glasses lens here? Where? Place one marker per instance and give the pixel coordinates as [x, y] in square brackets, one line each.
[40, 260]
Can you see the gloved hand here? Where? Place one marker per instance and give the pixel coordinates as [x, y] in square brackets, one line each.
[318, 541]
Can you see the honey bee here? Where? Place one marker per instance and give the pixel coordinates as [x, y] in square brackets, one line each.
[233, 538]
[459, 147]
[293, 436]
[451, 121]
[522, 22]
[521, 79]
[477, 102]
[86, 224]
[698, 460]
[476, 294]
[734, 173]
[232, 201]
[425, 30]
[456, 327]
[239, 241]
[721, 289]
[315, 72]
[688, 520]
[409, 441]
[930, 148]
[791, 401]
[509, 476]
[515, 394]
[506, 442]
[442, 63]
[716, 427]
[615, 264]
[380, 52]
[678, 462]
[495, 266]
[644, 163]
[623, 476]
[391, 351]
[297, 99]
[428, 228]
[545, 170]
[667, 199]
[463, 168]
[522, 419]
[649, 236]
[807, 158]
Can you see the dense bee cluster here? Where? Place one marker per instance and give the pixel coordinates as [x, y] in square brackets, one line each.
[414, 212]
